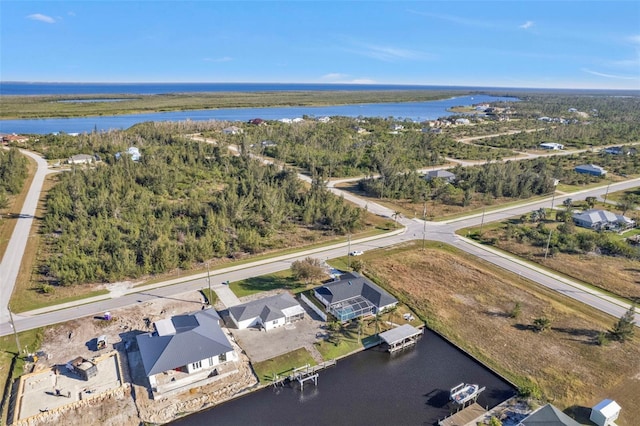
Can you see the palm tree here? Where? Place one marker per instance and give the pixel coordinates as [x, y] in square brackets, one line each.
[568, 203]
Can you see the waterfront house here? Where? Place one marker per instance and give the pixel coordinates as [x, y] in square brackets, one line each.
[602, 220]
[548, 415]
[81, 159]
[353, 296]
[552, 146]
[13, 138]
[189, 344]
[257, 122]
[267, 313]
[440, 174]
[591, 169]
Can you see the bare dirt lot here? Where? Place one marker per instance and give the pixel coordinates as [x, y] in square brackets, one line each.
[471, 302]
[133, 405]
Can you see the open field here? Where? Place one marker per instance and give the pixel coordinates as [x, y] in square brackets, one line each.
[616, 275]
[13, 107]
[470, 303]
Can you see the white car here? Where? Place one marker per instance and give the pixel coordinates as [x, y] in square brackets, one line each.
[356, 253]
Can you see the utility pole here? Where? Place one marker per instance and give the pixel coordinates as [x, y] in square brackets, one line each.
[607, 193]
[548, 241]
[15, 332]
[209, 282]
[482, 221]
[349, 251]
[424, 224]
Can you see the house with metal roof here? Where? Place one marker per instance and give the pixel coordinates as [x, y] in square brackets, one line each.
[548, 415]
[591, 169]
[190, 343]
[440, 174]
[353, 296]
[602, 220]
[267, 313]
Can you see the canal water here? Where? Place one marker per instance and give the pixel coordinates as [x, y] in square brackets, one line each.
[369, 388]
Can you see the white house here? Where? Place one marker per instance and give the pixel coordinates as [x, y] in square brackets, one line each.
[81, 159]
[463, 121]
[232, 130]
[132, 152]
[552, 146]
[602, 219]
[187, 343]
[267, 313]
[605, 413]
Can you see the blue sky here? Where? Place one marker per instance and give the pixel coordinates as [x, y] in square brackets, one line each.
[547, 44]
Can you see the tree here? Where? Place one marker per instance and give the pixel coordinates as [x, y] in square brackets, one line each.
[628, 202]
[516, 311]
[591, 201]
[308, 269]
[624, 328]
[541, 324]
[568, 203]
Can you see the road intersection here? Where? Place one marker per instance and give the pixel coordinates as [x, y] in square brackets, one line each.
[412, 229]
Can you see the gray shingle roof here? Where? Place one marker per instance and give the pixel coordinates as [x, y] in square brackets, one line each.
[353, 284]
[549, 416]
[197, 336]
[268, 308]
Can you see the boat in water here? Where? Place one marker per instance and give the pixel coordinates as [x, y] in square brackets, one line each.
[464, 392]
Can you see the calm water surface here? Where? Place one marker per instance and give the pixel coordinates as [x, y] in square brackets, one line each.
[370, 388]
[416, 111]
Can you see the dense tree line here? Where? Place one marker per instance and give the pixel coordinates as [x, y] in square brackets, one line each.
[184, 202]
[13, 172]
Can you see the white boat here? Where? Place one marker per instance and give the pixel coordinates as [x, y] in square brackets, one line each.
[464, 392]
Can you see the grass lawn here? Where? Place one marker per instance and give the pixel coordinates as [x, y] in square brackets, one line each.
[277, 280]
[338, 348]
[210, 296]
[282, 365]
[563, 364]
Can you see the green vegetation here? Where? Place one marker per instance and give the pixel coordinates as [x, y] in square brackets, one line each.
[184, 202]
[210, 296]
[624, 329]
[63, 106]
[278, 280]
[13, 172]
[282, 365]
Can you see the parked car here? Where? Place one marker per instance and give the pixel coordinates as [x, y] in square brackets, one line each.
[356, 253]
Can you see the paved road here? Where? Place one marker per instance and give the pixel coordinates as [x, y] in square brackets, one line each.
[438, 231]
[10, 265]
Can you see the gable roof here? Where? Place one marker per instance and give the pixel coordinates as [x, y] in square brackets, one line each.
[166, 349]
[352, 285]
[588, 168]
[268, 308]
[549, 415]
[443, 174]
[595, 216]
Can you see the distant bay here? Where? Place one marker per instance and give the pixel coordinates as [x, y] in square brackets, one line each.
[415, 111]
[26, 88]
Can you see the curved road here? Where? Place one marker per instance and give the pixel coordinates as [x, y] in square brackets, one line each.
[413, 229]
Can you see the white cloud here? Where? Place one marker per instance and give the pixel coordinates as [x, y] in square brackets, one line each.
[42, 18]
[221, 59]
[71, 13]
[384, 53]
[601, 74]
[635, 39]
[526, 25]
[334, 76]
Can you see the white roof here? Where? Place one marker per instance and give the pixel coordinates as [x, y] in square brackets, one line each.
[607, 407]
[165, 327]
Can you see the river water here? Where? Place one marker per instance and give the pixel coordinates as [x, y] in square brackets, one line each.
[369, 388]
[416, 111]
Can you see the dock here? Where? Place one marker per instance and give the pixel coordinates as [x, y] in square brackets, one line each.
[304, 374]
[464, 416]
[401, 337]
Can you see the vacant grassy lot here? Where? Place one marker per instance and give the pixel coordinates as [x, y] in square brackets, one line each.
[51, 106]
[614, 274]
[470, 303]
[282, 365]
